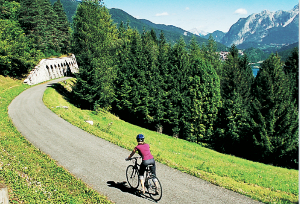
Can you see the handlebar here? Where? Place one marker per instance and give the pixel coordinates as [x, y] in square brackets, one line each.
[136, 158]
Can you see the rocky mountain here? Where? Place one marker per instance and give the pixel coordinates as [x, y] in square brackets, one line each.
[264, 29]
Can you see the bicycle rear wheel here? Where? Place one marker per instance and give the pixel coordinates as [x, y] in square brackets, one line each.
[132, 176]
[154, 188]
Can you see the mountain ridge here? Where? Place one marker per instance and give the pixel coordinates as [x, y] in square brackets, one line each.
[280, 27]
[172, 33]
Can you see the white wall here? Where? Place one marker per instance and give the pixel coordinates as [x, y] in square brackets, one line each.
[52, 68]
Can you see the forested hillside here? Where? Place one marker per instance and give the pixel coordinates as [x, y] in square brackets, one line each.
[181, 89]
[286, 51]
[255, 54]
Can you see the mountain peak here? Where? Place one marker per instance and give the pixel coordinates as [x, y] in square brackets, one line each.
[296, 7]
[265, 12]
[198, 32]
[280, 27]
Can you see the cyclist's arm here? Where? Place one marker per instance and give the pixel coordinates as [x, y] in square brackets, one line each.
[132, 153]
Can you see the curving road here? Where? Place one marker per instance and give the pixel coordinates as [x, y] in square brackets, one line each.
[99, 163]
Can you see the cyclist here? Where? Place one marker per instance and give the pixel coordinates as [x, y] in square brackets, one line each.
[147, 158]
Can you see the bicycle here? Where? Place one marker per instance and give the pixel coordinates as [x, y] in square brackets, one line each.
[152, 184]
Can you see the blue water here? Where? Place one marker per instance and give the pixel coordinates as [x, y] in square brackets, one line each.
[255, 70]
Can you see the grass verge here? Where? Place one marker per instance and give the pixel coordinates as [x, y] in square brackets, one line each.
[30, 175]
[261, 182]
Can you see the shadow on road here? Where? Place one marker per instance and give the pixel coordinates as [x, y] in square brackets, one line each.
[124, 188]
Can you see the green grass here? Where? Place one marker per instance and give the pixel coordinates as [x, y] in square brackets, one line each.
[261, 182]
[30, 175]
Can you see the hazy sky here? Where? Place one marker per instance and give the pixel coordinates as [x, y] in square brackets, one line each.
[206, 15]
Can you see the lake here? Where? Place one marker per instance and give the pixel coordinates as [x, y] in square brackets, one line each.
[255, 70]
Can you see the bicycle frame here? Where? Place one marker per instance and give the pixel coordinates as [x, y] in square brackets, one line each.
[136, 164]
[137, 167]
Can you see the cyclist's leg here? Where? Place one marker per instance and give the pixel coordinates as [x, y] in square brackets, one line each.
[153, 166]
[141, 176]
[153, 171]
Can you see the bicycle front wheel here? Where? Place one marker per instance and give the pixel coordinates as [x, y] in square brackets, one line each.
[132, 176]
[154, 188]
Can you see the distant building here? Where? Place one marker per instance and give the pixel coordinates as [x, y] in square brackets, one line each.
[223, 55]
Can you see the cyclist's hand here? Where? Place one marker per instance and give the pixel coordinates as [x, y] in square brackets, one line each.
[126, 159]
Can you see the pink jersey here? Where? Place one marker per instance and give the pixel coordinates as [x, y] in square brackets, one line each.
[144, 151]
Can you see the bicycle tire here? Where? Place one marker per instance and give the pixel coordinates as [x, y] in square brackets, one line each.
[132, 176]
[154, 191]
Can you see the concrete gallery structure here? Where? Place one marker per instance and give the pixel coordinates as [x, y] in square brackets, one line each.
[51, 69]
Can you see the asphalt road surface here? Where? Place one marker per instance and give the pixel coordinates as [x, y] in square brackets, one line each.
[99, 163]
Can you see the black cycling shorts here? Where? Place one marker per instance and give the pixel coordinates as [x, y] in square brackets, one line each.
[144, 164]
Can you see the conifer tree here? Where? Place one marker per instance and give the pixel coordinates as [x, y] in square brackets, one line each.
[201, 97]
[94, 38]
[153, 36]
[121, 31]
[123, 104]
[291, 68]
[210, 54]
[39, 22]
[274, 116]
[163, 103]
[132, 81]
[194, 49]
[31, 20]
[50, 23]
[140, 94]
[178, 69]
[153, 78]
[63, 27]
[233, 123]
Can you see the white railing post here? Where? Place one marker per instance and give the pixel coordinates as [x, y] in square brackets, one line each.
[4, 199]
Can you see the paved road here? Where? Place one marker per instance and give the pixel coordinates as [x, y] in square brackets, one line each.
[99, 163]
